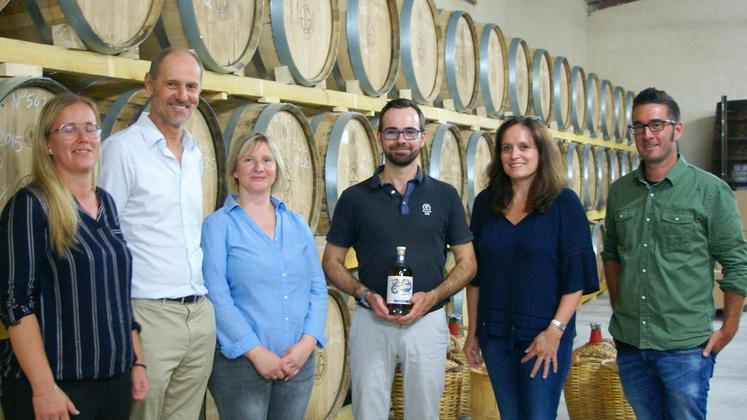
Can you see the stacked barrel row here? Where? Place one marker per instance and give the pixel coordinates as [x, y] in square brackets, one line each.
[375, 47]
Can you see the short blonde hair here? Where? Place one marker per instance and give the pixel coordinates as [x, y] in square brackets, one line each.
[250, 141]
[62, 210]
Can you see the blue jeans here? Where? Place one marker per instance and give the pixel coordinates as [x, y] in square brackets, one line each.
[666, 384]
[241, 393]
[518, 395]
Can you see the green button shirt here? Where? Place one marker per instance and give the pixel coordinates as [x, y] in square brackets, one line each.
[666, 237]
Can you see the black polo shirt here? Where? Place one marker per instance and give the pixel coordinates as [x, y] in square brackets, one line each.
[372, 218]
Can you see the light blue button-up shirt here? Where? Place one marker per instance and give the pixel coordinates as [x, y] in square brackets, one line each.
[267, 291]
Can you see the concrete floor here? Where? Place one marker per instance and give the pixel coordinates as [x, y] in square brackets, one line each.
[727, 398]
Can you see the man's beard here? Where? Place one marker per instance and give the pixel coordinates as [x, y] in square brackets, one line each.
[400, 160]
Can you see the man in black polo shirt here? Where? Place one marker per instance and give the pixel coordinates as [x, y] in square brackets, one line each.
[399, 205]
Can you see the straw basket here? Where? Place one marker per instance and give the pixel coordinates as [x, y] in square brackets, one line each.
[448, 406]
[615, 406]
[455, 353]
[582, 389]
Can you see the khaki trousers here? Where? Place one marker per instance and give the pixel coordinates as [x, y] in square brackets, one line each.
[178, 346]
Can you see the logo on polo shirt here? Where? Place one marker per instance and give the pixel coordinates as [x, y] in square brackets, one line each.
[427, 209]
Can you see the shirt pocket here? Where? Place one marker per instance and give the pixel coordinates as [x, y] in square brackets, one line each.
[626, 226]
[677, 231]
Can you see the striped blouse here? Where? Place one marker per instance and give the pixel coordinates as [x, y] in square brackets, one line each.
[82, 301]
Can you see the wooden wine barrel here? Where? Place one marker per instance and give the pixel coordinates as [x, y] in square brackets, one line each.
[613, 157]
[597, 243]
[3, 3]
[478, 156]
[224, 34]
[21, 102]
[421, 48]
[483, 405]
[493, 69]
[302, 35]
[540, 81]
[120, 106]
[629, 97]
[578, 99]
[349, 155]
[619, 106]
[518, 76]
[285, 123]
[593, 107]
[607, 110]
[602, 174]
[445, 159]
[332, 377]
[561, 93]
[574, 172]
[461, 62]
[624, 163]
[107, 27]
[588, 171]
[369, 48]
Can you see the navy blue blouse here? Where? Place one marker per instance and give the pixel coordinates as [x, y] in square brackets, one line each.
[524, 269]
[82, 301]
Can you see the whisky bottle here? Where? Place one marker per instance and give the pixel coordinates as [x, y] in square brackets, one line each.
[399, 285]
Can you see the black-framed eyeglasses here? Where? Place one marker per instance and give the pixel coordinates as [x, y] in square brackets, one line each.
[391, 133]
[653, 125]
[69, 130]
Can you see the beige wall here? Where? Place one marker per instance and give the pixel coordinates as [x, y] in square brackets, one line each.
[695, 50]
[559, 26]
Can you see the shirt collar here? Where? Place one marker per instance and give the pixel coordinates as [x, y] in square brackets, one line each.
[673, 176]
[153, 135]
[376, 181]
[230, 203]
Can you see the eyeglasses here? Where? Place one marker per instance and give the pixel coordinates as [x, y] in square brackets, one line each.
[653, 125]
[69, 130]
[393, 133]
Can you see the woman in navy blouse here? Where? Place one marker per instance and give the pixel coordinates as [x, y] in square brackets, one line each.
[263, 275]
[65, 281]
[535, 259]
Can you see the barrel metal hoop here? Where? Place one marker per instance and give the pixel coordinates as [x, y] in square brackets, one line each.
[331, 157]
[578, 77]
[604, 100]
[586, 175]
[434, 162]
[619, 107]
[537, 85]
[493, 110]
[471, 156]
[450, 65]
[591, 81]
[231, 124]
[560, 66]
[107, 124]
[513, 96]
[35, 13]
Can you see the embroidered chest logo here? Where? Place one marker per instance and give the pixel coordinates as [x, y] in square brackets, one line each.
[427, 209]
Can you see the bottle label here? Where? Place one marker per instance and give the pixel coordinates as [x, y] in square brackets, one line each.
[398, 290]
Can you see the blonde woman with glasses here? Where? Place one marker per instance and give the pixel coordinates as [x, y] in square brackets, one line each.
[65, 281]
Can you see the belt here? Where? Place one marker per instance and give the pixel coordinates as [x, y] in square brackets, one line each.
[185, 300]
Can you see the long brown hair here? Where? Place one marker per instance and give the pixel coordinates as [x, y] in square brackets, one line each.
[549, 180]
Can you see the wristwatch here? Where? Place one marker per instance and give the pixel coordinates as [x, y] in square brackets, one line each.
[362, 299]
[558, 324]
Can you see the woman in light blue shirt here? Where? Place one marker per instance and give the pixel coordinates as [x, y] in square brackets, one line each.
[263, 276]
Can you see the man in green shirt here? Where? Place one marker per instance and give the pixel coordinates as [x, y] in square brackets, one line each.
[666, 223]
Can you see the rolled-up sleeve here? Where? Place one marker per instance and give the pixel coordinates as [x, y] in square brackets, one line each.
[23, 232]
[235, 334]
[316, 318]
[726, 240]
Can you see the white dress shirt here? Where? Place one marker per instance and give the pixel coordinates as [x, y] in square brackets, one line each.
[160, 208]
